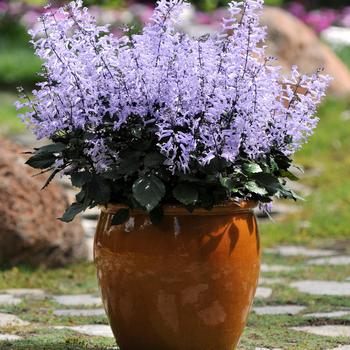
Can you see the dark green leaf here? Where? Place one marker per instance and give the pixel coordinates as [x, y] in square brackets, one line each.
[156, 215]
[121, 216]
[253, 187]
[51, 148]
[41, 160]
[219, 195]
[130, 164]
[229, 184]
[72, 212]
[81, 178]
[148, 191]
[268, 181]
[289, 175]
[99, 190]
[252, 168]
[186, 194]
[50, 178]
[153, 160]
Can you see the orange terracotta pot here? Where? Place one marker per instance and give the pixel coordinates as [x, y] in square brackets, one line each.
[185, 284]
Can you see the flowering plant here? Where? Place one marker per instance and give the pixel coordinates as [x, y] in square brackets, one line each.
[163, 118]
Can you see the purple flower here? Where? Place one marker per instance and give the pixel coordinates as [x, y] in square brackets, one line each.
[212, 97]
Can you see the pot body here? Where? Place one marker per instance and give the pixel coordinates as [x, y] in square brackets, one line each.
[185, 284]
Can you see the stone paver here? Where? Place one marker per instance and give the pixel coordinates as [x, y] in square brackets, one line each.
[9, 337]
[92, 330]
[333, 314]
[334, 261]
[8, 320]
[342, 347]
[276, 268]
[323, 287]
[279, 310]
[75, 300]
[26, 292]
[80, 312]
[266, 280]
[291, 250]
[8, 299]
[263, 293]
[328, 331]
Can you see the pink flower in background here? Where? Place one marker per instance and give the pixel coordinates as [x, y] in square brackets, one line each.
[321, 19]
[3, 7]
[345, 17]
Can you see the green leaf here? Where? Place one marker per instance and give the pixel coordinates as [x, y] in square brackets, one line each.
[269, 182]
[99, 190]
[148, 191]
[229, 184]
[186, 194]
[156, 215]
[72, 212]
[130, 164]
[50, 178]
[253, 187]
[153, 160]
[51, 148]
[81, 178]
[121, 216]
[252, 168]
[41, 160]
[289, 175]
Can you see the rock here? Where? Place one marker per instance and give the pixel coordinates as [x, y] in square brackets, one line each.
[294, 43]
[263, 293]
[30, 232]
[276, 268]
[323, 287]
[333, 314]
[279, 310]
[75, 300]
[342, 347]
[328, 331]
[300, 251]
[8, 320]
[80, 312]
[7, 299]
[9, 337]
[334, 261]
[92, 330]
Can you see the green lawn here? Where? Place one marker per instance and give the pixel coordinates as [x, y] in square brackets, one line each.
[325, 214]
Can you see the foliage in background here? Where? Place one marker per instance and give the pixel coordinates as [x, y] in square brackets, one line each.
[17, 60]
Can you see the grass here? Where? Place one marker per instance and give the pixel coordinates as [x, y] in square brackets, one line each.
[9, 122]
[326, 159]
[18, 64]
[344, 53]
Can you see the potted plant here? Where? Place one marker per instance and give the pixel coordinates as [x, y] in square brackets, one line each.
[177, 139]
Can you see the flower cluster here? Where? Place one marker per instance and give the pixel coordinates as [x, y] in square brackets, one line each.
[198, 101]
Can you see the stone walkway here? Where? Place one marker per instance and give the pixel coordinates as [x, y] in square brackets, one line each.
[317, 307]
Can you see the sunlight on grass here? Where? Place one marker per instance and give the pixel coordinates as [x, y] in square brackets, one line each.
[9, 122]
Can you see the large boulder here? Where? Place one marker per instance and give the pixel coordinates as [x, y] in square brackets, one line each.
[29, 230]
[294, 43]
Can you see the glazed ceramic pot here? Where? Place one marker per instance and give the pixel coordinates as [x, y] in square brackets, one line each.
[185, 284]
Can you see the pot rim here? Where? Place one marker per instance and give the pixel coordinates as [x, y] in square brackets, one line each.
[229, 207]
